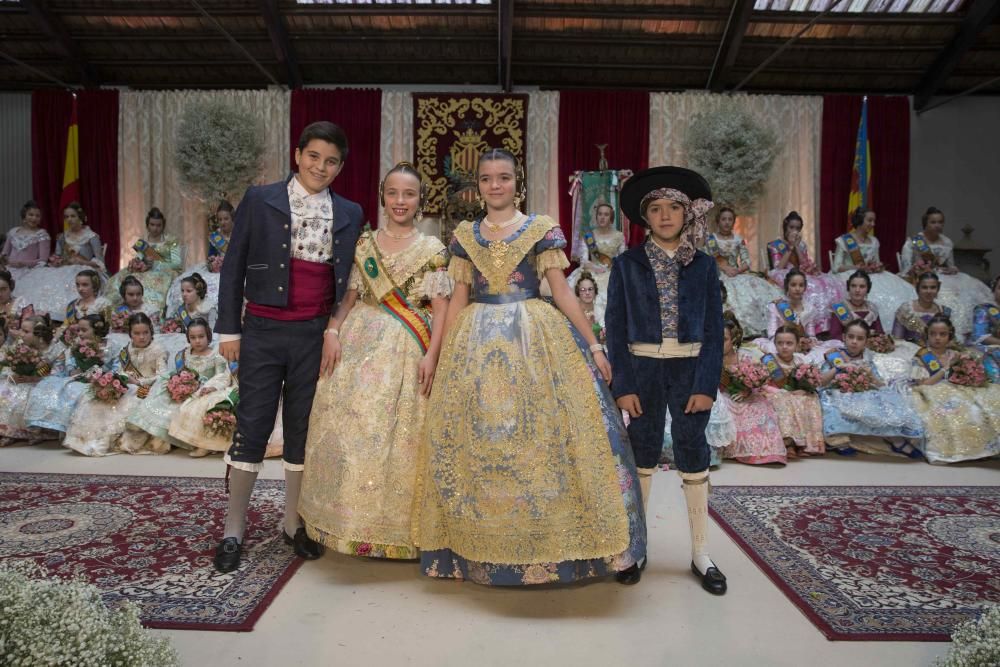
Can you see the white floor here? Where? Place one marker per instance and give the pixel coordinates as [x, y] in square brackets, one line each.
[345, 611]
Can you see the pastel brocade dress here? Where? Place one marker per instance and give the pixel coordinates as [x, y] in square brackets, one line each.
[16, 397]
[56, 396]
[26, 246]
[822, 289]
[50, 288]
[962, 423]
[747, 294]
[95, 426]
[799, 415]
[526, 473]
[156, 281]
[888, 291]
[604, 248]
[758, 433]
[365, 429]
[217, 247]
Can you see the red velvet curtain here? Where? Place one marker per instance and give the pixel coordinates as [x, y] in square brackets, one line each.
[889, 138]
[359, 114]
[50, 116]
[97, 115]
[619, 119]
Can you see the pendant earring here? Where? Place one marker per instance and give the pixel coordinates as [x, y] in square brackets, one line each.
[517, 201]
[420, 216]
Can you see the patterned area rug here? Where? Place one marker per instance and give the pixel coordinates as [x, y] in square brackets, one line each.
[149, 540]
[903, 563]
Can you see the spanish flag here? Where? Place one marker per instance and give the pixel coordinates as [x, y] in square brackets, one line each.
[861, 173]
[71, 173]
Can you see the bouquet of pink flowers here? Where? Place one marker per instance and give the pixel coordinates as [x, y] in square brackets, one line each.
[119, 321]
[85, 353]
[807, 378]
[172, 325]
[748, 377]
[967, 371]
[139, 265]
[881, 343]
[21, 359]
[854, 379]
[215, 263]
[220, 421]
[182, 384]
[55, 261]
[107, 386]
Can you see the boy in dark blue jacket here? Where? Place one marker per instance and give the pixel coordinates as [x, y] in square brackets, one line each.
[664, 331]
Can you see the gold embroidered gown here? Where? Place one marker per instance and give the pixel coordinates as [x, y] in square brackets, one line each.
[364, 432]
[526, 474]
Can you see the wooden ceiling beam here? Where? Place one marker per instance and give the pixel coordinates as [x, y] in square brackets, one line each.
[505, 41]
[979, 16]
[278, 33]
[53, 27]
[729, 47]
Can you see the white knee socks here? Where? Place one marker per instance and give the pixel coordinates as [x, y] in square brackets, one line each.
[645, 485]
[240, 489]
[695, 486]
[293, 487]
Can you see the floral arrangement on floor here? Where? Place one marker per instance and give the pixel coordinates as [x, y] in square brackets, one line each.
[807, 378]
[85, 353]
[49, 621]
[182, 384]
[734, 153]
[975, 643]
[172, 325]
[881, 343]
[21, 359]
[108, 386]
[967, 371]
[219, 147]
[747, 378]
[853, 379]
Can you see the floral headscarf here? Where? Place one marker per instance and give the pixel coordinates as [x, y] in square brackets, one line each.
[695, 230]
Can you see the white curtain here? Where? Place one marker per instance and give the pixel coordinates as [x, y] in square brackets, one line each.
[146, 174]
[794, 180]
[543, 153]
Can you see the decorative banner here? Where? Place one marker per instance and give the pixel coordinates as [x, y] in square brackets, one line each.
[452, 131]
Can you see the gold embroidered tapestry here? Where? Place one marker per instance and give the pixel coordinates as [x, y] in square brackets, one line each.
[450, 133]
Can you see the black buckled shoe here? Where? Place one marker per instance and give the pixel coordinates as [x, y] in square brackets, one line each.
[712, 580]
[630, 576]
[227, 555]
[303, 545]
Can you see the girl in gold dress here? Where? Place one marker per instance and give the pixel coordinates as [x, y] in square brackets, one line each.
[526, 474]
[364, 432]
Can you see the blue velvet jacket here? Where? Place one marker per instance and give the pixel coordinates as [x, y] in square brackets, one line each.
[633, 316]
[258, 257]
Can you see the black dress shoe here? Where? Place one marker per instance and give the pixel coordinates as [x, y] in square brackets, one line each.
[227, 555]
[712, 580]
[631, 575]
[303, 545]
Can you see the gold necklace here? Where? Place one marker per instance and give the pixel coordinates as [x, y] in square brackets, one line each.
[496, 226]
[399, 237]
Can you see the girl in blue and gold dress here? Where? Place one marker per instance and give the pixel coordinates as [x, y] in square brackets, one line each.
[525, 474]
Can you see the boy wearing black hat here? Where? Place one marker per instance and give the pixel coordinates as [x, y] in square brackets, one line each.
[664, 334]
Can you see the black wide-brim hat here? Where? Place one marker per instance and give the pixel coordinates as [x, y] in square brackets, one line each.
[643, 182]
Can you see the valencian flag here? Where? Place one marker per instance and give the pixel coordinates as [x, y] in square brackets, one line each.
[861, 173]
[71, 173]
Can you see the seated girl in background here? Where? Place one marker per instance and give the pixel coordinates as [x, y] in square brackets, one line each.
[795, 309]
[149, 421]
[865, 414]
[859, 249]
[96, 426]
[218, 244]
[37, 332]
[48, 288]
[55, 397]
[88, 301]
[962, 419]
[855, 307]
[28, 245]
[750, 293]
[912, 317]
[796, 405]
[193, 306]
[791, 252]
[158, 259]
[931, 250]
[11, 307]
[758, 435]
[132, 294]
